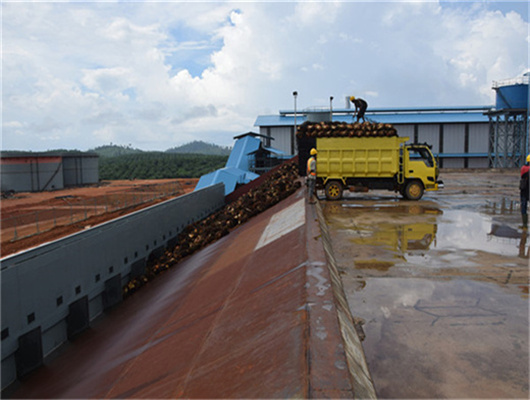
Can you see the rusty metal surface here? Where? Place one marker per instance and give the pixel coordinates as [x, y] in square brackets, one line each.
[250, 316]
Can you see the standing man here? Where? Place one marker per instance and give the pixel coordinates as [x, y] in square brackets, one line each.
[311, 175]
[360, 107]
[524, 189]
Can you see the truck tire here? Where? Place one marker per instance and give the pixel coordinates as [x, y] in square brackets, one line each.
[334, 190]
[413, 190]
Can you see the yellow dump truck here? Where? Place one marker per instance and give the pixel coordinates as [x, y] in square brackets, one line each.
[372, 162]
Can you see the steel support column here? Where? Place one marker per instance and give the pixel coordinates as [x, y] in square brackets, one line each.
[508, 142]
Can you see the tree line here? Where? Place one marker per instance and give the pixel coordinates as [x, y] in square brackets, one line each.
[124, 162]
[158, 165]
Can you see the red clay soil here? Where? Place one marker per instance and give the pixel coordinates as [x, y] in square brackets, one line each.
[27, 203]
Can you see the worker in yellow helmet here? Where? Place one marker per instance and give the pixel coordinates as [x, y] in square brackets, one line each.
[524, 189]
[360, 107]
[311, 175]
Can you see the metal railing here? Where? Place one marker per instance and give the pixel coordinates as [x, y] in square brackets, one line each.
[521, 80]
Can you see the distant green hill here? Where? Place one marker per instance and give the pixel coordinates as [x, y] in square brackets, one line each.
[113, 150]
[199, 147]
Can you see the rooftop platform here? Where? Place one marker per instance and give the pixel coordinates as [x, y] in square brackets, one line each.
[396, 115]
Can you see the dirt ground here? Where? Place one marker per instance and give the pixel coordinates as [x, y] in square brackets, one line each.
[29, 219]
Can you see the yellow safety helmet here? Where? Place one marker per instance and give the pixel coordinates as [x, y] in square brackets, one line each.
[313, 152]
[528, 158]
[352, 98]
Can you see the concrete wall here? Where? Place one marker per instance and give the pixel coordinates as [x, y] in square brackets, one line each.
[52, 292]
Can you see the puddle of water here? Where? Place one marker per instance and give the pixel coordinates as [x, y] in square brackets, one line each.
[467, 230]
[409, 231]
[502, 207]
[458, 338]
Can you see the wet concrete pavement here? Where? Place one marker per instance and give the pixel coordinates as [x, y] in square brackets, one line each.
[442, 285]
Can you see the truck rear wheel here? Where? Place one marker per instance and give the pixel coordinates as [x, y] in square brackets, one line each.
[413, 190]
[334, 190]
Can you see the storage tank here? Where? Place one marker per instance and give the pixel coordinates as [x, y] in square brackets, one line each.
[512, 93]
[31, 173]
[80, 169]
[35, 172]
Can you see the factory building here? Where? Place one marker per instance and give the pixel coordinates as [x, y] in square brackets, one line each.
[34, 172]
[461, 137]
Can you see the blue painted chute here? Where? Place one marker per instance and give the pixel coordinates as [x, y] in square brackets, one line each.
[236, 172]
[231, 177]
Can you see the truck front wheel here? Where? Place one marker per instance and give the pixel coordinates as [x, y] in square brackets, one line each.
[413, 190]
[334, 190]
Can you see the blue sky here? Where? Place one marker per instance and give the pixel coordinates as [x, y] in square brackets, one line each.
[520, 6]
[156, 75]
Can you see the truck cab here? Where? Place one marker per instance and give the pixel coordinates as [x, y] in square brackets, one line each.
[419, 166]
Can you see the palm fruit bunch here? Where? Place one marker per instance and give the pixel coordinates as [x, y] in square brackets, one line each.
[343, 129]
[278, 185]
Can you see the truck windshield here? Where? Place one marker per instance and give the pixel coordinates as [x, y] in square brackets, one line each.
[421, 154]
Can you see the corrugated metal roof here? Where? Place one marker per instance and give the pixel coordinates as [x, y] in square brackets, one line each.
[428, 118]
[401, 115]
[483, 108]
[277, 120]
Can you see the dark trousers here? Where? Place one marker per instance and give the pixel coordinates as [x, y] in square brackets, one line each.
[311, 183]
[524, 203]
[360, 113]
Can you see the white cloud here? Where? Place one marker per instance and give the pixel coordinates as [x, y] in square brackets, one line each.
[79, 75]
[108, 79]
[482, 47]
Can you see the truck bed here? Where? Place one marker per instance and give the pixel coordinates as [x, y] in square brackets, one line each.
[365, 157]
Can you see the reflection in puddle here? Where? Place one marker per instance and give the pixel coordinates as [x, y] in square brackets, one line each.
[504, 207]
[374, 264]
[473, 231]
[505, 231]
[401, 238]
[421, 233]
